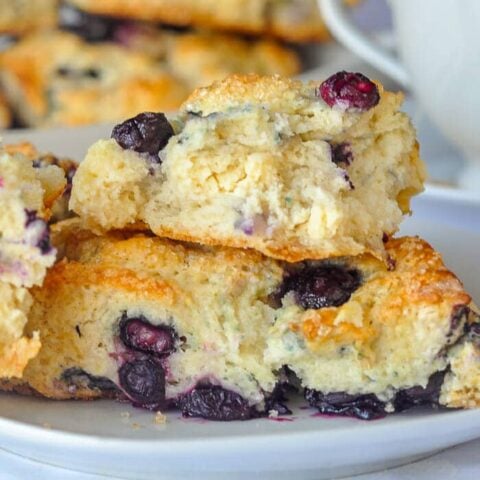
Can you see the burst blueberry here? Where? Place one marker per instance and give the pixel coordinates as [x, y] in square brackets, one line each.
[142, 336]
[322, 286]
[349, 91]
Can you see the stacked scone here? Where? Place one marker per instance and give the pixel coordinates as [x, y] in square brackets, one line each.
[245, 246]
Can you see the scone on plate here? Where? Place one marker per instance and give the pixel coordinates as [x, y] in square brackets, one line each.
[18, 17]
[216, 332]
[26, 195]
[154, 322]
[296, 171]
[366, 339]
[291, 20]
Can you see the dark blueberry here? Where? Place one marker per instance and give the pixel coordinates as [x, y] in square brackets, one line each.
[64, 72]
[458, 318]
[69, 174]
[472, 330]
[143, 380]
[418, 395]
[213, 402]
[92, 28]
[349, 90]
[141, 335]
[80, 378]
[31, 217]
[342, 154]
[93, 73]
[40, 236]
[276, 400]
[146, 133]
[322, 286]
[365, 407]
[75, 74]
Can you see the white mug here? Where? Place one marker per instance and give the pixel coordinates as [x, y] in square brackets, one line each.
[439, 47]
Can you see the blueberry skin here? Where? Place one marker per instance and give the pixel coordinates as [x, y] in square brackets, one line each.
[143, 381]
[148, 132]
[349, 91]
[213, 402]
[364, 407]
[140, 335]
[418, 395]
[322, 286]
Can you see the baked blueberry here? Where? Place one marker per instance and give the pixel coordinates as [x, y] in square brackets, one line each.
[37, 232]
[365, 407]
[418, 395]
[322, 286]
[213, 402]
[349, 91]
[148, 132]
[141, 335]
[143, 381]
[342, 154]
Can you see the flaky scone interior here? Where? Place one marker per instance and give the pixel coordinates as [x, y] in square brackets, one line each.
[296, 171]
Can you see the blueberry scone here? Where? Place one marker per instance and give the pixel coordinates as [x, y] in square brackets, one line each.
[22, 16]
[26, 196]
[292, 20]
[293, 170]
[366, 339]
[59, 209]
[55, 78]
[155, 322]
[217, 332]
[195, 58]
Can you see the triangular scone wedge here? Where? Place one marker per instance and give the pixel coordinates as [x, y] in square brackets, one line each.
[408, 334]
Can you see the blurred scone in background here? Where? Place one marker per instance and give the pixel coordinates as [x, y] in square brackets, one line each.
[78, 62]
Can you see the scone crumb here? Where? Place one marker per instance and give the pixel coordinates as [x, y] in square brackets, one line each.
[125, 414]
[273, 414]
[136, 426]
[160, 418]
[46, 425]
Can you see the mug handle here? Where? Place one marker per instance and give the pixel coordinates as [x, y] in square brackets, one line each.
[335, 14]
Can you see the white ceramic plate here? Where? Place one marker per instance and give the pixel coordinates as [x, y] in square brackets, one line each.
[115, 439]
